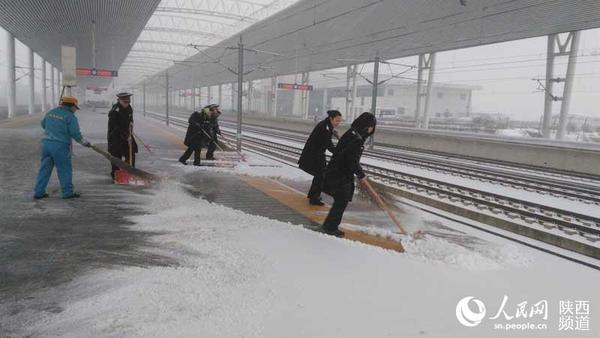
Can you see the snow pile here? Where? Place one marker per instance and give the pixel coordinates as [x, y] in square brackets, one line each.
[255, 165]
[273, 171]
[216, 290]
[241, 275]
[490, 257]
[512, 132]
[436, 250]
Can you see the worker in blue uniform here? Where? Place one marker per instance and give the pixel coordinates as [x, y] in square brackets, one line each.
[60, 126]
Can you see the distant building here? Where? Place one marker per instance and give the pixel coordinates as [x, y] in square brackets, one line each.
[396, 98]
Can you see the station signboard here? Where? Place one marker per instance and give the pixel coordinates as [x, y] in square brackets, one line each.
[97, 72]
[294, 86]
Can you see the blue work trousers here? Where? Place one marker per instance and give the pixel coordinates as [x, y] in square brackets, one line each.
[55, 154]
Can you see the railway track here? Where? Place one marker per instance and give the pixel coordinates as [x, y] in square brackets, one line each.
[567, 229]
[570, 188]
[578, 232]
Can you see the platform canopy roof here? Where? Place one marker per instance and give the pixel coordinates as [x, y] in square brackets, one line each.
[45, 25]
[143, 39]
[323, 34]
[176, 24]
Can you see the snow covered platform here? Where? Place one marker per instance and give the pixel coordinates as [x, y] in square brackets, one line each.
[214, 251]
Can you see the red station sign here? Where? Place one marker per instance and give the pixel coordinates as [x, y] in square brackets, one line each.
[294, 86]
[97, 72]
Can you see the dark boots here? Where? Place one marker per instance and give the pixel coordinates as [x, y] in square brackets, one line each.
[315, 201]
[333, 232]
[334, 218]
[183, 159]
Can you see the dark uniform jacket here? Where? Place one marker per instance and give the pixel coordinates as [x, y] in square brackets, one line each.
[214, 129]
[195, 136]
[312, 159]
[119, 119]
[344, 165]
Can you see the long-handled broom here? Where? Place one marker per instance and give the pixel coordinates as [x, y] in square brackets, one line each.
[142, 142]
[125, 166]
[386, 209]
[382, 204]
[221, 147]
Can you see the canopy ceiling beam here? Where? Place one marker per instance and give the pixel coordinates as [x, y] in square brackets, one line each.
[184, 31]
[205, 12]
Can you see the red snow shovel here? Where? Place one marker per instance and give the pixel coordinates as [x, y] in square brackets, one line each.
[127, 174]
[121, 175]
[143, 175]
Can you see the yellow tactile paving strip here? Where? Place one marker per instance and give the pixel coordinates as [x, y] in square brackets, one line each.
[296, 201]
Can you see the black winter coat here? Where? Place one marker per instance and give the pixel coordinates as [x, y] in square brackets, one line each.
[213, 128]
[119, 119]
[312, 159]
[343, 166]
[195, 136]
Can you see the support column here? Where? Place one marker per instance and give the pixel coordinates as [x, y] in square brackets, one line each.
[273, 97]
[11, 75]
[353, 99]
[426, 62]
[374, 95]
[240, 74]
[220, 94]
[233, 97]
[193, 98]
[44, 97]
[419, 91]
[144, 98]
[304, 95]
[429, 86]
[167, 96]
[548, 97]
[249, 96]
[53, 87]
[325, 98]
[469, 103]
[348, 91]
[568, 88]
[567, 48]
[31, 82]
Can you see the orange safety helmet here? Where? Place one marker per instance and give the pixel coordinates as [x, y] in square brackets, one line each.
[70, 100]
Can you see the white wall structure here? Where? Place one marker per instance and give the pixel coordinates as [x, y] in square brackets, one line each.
[31, 78]
[11, 75]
